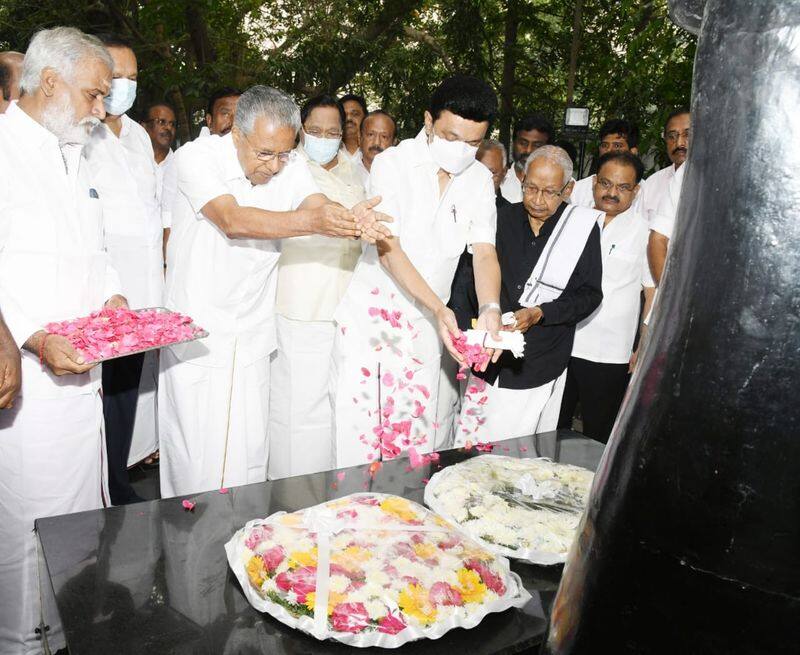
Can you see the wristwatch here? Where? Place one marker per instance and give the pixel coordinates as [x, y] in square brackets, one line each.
[489, 305]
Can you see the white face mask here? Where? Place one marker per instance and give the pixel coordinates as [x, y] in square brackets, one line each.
[452, 156]
[320, 149]
[120, 98]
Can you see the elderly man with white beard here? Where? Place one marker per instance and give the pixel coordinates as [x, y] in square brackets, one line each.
[52, 266]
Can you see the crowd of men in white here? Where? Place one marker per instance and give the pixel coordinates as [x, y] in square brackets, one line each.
[279, 248]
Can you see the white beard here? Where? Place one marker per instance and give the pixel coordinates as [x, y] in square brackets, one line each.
[59, 118]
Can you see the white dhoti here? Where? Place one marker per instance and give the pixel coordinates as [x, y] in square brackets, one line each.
[52, 462]
[495, 413]
[213, 421]
[145, 427]
[448, 403]
[300, 403]
[365, 398]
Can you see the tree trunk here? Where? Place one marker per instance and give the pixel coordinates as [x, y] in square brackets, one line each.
[509, 68]
[573, 51]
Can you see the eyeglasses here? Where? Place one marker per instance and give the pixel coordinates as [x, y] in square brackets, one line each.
[548, 194]
[162, 122]
[330, 134]
[607, 185]
[266, 156]
[674, 135]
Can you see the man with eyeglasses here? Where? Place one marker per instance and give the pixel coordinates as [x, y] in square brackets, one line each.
[160, 124]
[124, 173]
[677, 138]
[616, 135]
[661, 191]
[394, 317]
[313, 274]
[238, 196]
[551, 271]
[530, 133]
[603, 356]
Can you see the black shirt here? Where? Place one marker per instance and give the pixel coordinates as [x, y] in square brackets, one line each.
[463, 298]
[548, 345]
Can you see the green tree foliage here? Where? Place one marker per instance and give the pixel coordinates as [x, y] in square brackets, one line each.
[632, 61]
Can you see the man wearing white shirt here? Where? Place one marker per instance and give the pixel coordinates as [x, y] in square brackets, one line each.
[393, 318]
[378, 132]
[602, 353]
[161, 125]
[53, 266]
[530, 133]
[663, 224]
[313, 274]
[238, 195]
[124, 173]
[677, 138]
[616, 135]
[355, 110]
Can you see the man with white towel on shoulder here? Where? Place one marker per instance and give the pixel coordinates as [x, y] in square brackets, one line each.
[551, 272]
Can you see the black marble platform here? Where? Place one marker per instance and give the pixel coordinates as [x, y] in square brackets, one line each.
[152, 577]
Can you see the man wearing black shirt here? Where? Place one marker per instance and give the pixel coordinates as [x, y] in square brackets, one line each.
[523, 395]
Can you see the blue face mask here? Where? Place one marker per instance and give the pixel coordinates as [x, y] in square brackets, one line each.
[319, 149]
[120, 98]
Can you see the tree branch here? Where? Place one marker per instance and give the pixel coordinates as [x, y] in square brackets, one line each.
[432, 43]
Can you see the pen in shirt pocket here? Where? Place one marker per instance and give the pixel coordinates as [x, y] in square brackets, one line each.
[613, 245]
[453, 211]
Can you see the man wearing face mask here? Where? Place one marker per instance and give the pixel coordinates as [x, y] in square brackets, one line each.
[394, 317]
[53, 266]
[124, 172]
[313, 273]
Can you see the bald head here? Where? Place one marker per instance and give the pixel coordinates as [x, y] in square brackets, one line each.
[10, 70]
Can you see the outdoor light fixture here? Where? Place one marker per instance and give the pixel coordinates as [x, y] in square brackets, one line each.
[576, 117]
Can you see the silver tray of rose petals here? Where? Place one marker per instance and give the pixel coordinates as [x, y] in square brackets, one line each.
[112, 333]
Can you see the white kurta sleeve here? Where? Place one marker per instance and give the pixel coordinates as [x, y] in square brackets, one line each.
[200, 173]
[484, 221]
[303, 183]
[384, 182]
[112, 283]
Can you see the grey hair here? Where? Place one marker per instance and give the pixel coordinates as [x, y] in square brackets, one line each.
[493, 144]
[272, 104]
[553, 154]
[62, 49]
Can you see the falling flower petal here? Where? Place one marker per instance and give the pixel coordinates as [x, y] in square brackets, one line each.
[340, 475]
[188, 505]
[223, 490]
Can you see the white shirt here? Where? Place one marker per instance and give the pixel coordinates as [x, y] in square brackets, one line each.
[511, 187]
[344, 153]
[362, 172]
[663, 220]
[433, 230]
[125, 174]
[607, 335]
[314, 270]
[227, 285]
[652, 189]
[52, 262]
[167, 187]
[583, 193]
